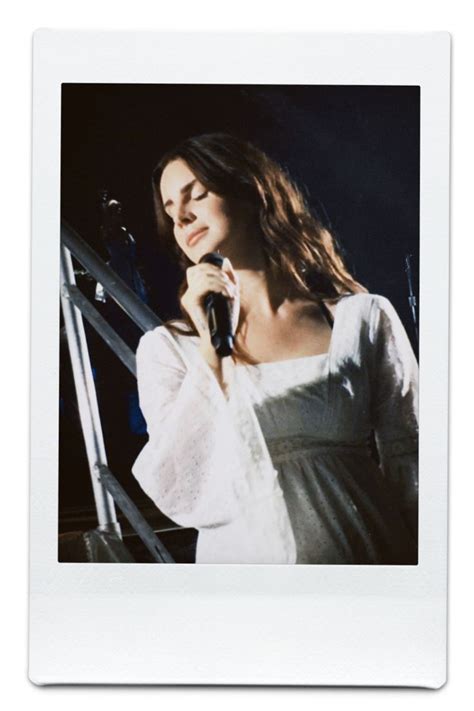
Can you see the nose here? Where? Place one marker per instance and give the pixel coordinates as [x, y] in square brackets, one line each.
[184, 215]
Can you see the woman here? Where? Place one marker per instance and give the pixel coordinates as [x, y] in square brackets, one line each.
[267, 452]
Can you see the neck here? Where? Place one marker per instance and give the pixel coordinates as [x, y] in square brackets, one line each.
[261, 293]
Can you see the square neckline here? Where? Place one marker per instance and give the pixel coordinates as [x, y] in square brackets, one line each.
[300, 358]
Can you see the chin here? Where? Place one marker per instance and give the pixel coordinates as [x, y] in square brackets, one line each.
[206, 247]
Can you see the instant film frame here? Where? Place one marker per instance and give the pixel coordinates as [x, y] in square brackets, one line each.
[344, 625]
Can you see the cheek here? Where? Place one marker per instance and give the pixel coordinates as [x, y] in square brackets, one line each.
[215, 206]
[179, 238]
[221, 214]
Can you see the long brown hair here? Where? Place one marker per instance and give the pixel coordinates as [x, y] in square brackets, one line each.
[298, 250]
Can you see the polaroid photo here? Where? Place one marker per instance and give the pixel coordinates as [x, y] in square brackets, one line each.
[239, 358]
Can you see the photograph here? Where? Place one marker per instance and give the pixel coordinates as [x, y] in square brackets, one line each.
[240, 301]
[239, 322]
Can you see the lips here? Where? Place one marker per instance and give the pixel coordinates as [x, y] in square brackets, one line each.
[193, 237]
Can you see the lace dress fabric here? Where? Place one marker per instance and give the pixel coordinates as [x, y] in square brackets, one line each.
[281, 471]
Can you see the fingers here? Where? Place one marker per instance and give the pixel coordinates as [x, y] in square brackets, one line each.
[204, 278]
[207, 268]
[228, 269]
[216, 283]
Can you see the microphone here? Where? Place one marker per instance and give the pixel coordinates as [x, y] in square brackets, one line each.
[219, 313]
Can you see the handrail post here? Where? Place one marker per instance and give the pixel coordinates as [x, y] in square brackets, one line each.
[87, 397]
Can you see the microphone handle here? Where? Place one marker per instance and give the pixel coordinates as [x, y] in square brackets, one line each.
[219, 314]
[219, 317]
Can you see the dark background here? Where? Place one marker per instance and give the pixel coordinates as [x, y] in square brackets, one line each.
[354, 150]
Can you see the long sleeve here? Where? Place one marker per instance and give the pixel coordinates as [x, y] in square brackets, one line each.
[394, 405]
[206, 464]
[188, 465]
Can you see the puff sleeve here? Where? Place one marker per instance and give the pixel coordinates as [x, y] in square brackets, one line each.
[394, 406]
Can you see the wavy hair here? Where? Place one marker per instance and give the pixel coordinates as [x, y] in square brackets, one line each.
[298, 249]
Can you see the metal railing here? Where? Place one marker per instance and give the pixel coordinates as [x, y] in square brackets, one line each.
[140, 313]
[141, 527]
[106, 488]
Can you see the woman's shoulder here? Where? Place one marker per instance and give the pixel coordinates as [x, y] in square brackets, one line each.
[170, 341]
[364, 303]
[367, 314]
[374, 317]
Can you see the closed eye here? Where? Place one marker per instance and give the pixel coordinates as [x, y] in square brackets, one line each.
[201, 196]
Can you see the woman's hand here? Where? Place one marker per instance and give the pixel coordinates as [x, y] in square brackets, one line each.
[203, 279]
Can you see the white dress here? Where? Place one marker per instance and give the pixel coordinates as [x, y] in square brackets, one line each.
[281, 471]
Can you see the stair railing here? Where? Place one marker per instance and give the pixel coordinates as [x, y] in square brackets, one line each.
[106, 488]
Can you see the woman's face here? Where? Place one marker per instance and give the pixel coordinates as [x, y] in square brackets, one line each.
[203, 221]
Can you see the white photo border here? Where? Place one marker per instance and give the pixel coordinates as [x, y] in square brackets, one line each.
[240, 624]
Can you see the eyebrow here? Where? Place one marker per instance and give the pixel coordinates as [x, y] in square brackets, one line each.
[186, 188]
